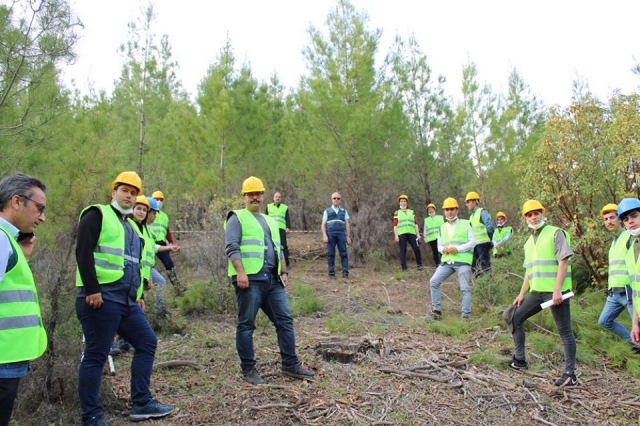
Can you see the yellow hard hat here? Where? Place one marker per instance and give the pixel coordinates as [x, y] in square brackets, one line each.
[141, 199]
[252, 184]
[531, 205]
[449, 203]
[501, 214]
[158, 195]
[472, 196]
[609, 208]
[128, 178]
[431, 205]
[403, 196]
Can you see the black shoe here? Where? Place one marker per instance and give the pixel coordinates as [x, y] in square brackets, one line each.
[566, 380]
[298, 371]
[345, 276]
[436, 315]
[94, 421]
[518, 364]
[252, 376]
[420, 268]
[151, 410]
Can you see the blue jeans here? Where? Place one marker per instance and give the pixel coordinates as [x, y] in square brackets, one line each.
[444, 271]
[159, 283]
[561, 315]
[100, 327]
[271, 297]
[613, 307]
[337, 239]
[413, 242]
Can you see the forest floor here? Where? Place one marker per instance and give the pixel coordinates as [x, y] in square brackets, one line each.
[385, 362]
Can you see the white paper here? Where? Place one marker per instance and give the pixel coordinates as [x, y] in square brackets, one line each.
[550, 302]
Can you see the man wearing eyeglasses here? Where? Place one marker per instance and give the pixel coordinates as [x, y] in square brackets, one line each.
[22, 335]
[336, 231]
[259, 275]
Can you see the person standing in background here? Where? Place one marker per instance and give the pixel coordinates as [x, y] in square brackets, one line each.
[406, 230]
[336, 231]
[432, 225]
[162, 236]
[280, 213]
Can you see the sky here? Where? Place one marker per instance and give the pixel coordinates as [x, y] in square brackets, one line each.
[550, 43]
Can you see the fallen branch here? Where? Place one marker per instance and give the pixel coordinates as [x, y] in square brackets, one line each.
[178, 363]
[276, 405]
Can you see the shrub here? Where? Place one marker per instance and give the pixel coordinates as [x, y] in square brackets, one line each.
[211, 296]
[303, 300]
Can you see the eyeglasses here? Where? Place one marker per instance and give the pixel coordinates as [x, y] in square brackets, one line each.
[336, 198]
[254, 194]
[39, 206]
[449, 209]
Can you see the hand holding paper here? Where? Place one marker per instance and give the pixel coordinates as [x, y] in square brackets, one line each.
[550, 302]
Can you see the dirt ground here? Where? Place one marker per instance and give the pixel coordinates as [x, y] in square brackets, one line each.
[403, 369]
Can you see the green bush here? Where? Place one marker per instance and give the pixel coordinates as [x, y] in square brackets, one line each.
[376, 260]
[303, 300]
[208, 297]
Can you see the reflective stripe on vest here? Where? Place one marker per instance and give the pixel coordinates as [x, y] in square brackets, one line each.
[278, 213]
[336, 222]
[479, 230]
[252, 243]
[541, 263]
[432, 227]
[109, 254]
[618, 273]
[148, 250]
[633, 266]
[498, 235]
[406, 222]
[159, 227]
[22, 334]
[460, 236]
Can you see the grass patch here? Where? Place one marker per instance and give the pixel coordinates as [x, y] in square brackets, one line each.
[489, 356]
[208, 297]
[341, 323]
[303, 300]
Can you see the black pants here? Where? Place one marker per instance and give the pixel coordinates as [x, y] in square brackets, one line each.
[482, 258]
[434, 249]
[165, 257]
[285, 247]
[8, 393]
[412, 240]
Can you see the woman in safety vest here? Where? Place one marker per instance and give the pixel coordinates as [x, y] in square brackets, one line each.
[406, 230]
[547, 278]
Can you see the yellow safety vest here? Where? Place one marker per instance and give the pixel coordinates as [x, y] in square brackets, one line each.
[618, 273]
[22, 333]
[252, 243]
[432, 226]
[479, 230]
[460, 236]
[540, 261]
[278, 213]
[406, 222]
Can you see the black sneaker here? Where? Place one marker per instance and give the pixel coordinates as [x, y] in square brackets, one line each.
[518, 364]
[151, 410]
[566, 380]
[252, 376]
[298, 371]
[436, 315]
